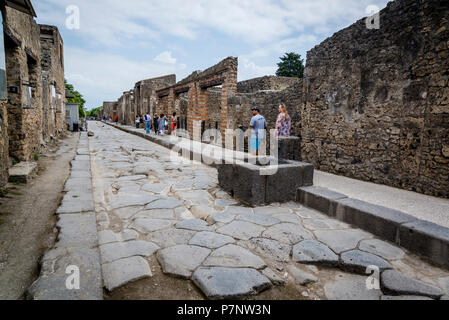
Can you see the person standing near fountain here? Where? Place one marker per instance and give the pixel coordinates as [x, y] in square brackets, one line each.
[258, 127]
[284, 122]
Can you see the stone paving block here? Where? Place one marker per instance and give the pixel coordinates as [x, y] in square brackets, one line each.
[51, 284]
[380, 221]
[76, 205]
[171, 237]
[132, 201]
[233, 256]
[108, 236]
[288, 218]
[194, 225]
[120, 250]
[169, 203]
[324, 224]
[314, 252]
[241, 230]
[301, 277]
[202, 212]
[80, 165]
[320, 199]
[342, 240]
[358, 262]
[156, 188]
[132, 178]
[150, 225]
[382, 249]
[234, 211]
[221, 218]
[270, 248]
[259, 219]
[230, 283]
[210, 240]
[223, 203]
[350, 287]
[444, 283]
[395, 283]
[75, 184]
[181, 261]
[287, 233]
[427, 239]
[274, 278]
[77, 231]
[80, 174]
[22, 172]
[124, 271]
[127, 213]
[405, 298]
[271, 210]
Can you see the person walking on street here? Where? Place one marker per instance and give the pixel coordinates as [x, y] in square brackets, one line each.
[163, 122]
[147, 119]
[137, 122]
[156, 124]
[284, 122]
[174, 124]
[258, 127]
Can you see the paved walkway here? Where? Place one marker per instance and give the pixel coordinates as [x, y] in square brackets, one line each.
[148, 204]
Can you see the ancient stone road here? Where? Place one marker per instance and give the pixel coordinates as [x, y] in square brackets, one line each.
[149, 206]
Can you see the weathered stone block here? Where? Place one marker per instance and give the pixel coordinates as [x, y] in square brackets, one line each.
[320, 199]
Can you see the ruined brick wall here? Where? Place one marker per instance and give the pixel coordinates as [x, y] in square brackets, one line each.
[268, 100]
[110, 109]
[265, 83]
[4, 152]
[377, 105]
[145, 93]
[54, 115]
[23, 65]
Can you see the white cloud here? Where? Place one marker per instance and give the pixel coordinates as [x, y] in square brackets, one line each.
[165, 57]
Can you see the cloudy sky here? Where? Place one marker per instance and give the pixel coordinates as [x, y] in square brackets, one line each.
[121, 42]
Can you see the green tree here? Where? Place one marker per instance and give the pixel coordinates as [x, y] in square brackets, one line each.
[77, 98]
[291, 65]
[94, 112]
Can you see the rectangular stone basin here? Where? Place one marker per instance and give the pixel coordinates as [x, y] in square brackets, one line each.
[258, 185]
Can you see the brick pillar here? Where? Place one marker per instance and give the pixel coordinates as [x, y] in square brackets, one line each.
[229, 89]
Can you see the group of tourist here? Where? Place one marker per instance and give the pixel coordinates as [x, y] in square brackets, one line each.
[258, 125]
[159, 123]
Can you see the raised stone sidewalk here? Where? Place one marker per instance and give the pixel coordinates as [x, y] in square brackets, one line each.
[77, 245]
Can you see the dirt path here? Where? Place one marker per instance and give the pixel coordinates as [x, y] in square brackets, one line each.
[27, 219]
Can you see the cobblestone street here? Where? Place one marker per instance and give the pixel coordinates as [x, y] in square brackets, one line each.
[158, 215]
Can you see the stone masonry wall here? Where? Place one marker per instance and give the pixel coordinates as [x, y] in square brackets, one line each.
[265, 83]
[54, 115]
[23, 65]
[377, 101]
[4, 152]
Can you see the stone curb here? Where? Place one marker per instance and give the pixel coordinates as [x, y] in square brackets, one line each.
[76, 251]
[420, 237]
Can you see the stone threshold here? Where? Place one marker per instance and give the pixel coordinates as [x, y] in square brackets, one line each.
[22, 172]
[418, 236]
[72, 269]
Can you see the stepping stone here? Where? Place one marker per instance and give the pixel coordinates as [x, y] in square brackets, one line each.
[194, 225]
[170, 203]
[301, 277]
[116, 251]
[395, 283]
[274, 278]
[342, 240]
[382, 249]
[359, 261]
[233, 256]
[131, 201]
[405, 298]
[221, 218]
[350, 287]
[314, 252]
[171, 237]
[156, 188]
[167, 214]
[210, 240]
[241, 230]
[287, 233]
[180, 261]
[259, 219]
[230, 283]
[150, 225]
[270, 248]
[124, 271]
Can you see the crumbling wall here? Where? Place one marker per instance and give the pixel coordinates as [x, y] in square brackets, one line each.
[4, 152]
[54, 115]
[377, 101]
[23, 66]
[265, 83]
